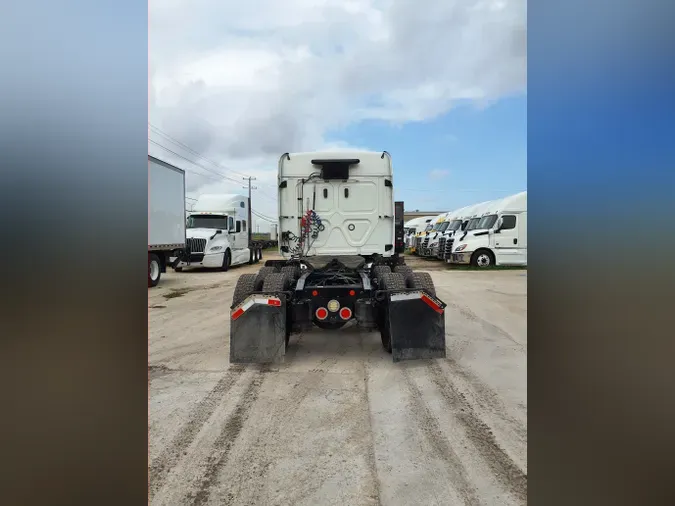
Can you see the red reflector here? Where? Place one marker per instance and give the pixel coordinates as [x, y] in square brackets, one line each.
[345, 313]
[273, 302]
[237, 313]
[322, 313]
[315, 293]
[352, 292]
[432, 304]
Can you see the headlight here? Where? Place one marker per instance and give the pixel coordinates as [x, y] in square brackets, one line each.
[461, 247]
[216, 248]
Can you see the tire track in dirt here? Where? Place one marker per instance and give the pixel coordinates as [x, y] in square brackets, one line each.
[489, 400]
[225, 440]
[370, 451]
[471, 316]
[169, 457]
[309, 382]
[480, 434]
[431, 429]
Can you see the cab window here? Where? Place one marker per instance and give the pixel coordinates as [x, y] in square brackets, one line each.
[508, 222]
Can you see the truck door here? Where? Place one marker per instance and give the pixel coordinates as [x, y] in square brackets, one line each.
[240, 234]
[509, 245]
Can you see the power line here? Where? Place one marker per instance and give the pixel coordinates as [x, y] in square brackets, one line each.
[193, 151]
[195, 163]
[263, 217]
[223, 177]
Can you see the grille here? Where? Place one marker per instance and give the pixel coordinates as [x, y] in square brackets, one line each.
[447, 251]
[196, 245]
[196, 257]
[441, 247]
[418, 243]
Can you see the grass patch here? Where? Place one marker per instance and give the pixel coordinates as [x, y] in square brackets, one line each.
[461, 267]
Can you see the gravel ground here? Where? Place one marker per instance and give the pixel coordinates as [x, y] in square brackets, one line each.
[338, 422]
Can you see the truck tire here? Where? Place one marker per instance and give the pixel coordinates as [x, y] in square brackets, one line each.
[483, 258]
[154, 270]
[293, 271]
[379, 270]
[178, 269]
[403, 269]
[227, 261]
[245, 287]
[392, 281]
[260, 277]
[421, 281]
[276, 282]
[260, 250]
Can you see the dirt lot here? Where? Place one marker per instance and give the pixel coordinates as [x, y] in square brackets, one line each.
[338, 422]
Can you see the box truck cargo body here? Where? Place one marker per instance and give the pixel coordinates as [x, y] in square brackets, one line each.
[166, 216]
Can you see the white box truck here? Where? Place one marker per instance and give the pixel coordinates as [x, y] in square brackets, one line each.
[166, 216]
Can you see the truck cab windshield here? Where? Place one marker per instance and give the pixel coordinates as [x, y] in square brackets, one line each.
[444, 226]
[207, 221]
[455, 225]
[473, 224]
[486, 222]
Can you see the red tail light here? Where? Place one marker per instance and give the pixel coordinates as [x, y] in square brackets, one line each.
[345, 313]
[321, 313]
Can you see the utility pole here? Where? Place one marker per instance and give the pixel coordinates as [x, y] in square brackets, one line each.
[250, 217]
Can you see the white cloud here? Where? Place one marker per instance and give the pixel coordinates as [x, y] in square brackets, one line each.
[244, 82]
[438, 174]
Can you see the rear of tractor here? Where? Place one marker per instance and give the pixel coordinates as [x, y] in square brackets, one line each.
[288, 297]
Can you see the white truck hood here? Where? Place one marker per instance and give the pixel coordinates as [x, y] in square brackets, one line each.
[470, 238]
[201, 233]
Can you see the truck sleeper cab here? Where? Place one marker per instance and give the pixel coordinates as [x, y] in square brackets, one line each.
[218, 234]
[499, 239]
[337, 230]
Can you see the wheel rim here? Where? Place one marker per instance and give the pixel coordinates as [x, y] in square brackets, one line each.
[154, 269]
[483, 260]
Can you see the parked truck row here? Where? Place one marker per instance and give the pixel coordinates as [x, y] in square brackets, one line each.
[483, 235]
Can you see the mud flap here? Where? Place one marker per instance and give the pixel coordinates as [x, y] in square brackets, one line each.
[258, 330]
[416, 326]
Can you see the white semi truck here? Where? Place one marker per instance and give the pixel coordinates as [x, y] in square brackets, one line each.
[218, 233]
[500, 238]
[166, 216]
[340, 235]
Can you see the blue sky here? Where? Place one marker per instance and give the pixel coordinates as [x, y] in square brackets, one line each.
[484, 152]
